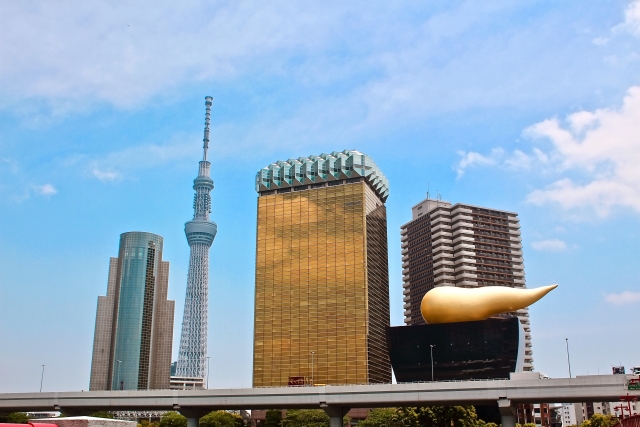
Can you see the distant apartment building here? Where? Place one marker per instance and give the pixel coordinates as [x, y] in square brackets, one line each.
[540, 414]
[134, 321]
[616, 409]
[461, 245]
[572, 414]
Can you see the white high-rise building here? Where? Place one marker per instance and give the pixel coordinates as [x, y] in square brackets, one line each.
[572, 414]
[461, 245]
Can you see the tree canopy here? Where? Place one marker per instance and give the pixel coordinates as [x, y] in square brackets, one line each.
[14, 418]
[306, 418]
[147, 423]
[599, 420]
[429, 416]
[273, 418]
[221, 419]
[173, 419]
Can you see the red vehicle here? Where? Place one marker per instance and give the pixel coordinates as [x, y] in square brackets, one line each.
[28, 425]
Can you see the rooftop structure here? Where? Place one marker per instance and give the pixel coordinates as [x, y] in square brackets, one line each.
[314, 171]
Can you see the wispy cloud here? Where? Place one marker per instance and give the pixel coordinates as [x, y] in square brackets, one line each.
[106, 175]
[383, 59]
[471, 158]
[92, 52]
[516, 161]
[118, 165]
[626, 297]
[45, 190]
[550, 245]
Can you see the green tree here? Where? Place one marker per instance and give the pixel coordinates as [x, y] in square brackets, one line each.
[103, 414]
[391, 417]
[447, 416]
[239, 422]
[17, 418]
[306, 418]
[173, 419]
[482, 423]
[273, 418]
[147, 423]
[221, 419]
[599, 420]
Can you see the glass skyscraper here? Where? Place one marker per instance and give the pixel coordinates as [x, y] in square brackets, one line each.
[134, 321]
[322, 281]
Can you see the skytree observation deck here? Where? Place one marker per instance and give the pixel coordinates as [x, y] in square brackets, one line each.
[200, 232]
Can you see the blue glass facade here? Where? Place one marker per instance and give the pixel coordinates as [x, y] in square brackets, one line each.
[139, 262]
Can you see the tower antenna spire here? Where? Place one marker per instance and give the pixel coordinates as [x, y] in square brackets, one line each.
[200, 231]
[207, 120]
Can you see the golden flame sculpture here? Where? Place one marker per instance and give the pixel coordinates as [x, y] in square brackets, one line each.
[448, 304]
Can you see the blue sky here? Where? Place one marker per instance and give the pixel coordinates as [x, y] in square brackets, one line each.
[526, 106]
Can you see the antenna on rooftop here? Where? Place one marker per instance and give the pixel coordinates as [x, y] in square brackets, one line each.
[428, 184]
[207, 119]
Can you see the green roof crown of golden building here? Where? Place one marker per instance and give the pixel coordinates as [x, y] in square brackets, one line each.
[329, 168]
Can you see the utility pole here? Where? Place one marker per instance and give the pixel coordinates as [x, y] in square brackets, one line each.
[208, 372]
[312, 381]
[41, 378]
[118, 377]
[568, 359]
[431, 345]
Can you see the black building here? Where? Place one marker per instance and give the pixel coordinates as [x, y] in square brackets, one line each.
[485, 349]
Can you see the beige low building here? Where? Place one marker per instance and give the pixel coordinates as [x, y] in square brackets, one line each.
[84, 422]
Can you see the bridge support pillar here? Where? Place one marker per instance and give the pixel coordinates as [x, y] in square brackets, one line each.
[336, 414]
[193, 416]
[507, 413]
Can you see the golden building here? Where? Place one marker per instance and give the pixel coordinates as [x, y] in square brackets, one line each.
[322, 282]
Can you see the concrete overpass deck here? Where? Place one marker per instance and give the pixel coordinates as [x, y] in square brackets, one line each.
[334, 399]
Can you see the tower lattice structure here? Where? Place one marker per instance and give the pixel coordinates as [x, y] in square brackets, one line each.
[200, 232]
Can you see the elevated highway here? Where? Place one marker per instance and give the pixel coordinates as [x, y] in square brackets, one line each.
[336, 400]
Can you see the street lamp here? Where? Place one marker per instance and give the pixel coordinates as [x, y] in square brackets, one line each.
[118, 377]
[208, 372]
[42, 378]
[431, 345]
[568, 359]
[312, 360]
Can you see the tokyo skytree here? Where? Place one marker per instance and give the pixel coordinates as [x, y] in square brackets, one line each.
[192, 358]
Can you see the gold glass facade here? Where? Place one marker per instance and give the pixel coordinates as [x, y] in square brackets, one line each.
[322, 286]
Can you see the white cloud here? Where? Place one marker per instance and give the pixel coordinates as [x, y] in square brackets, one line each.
[604, 147]
[10, 164]
[599, 150]
[626, 297]
[631, 22]
[471, 158]
[45, 190]
[106, 175]
[600, 41]
[516, 161]
[551, 245]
